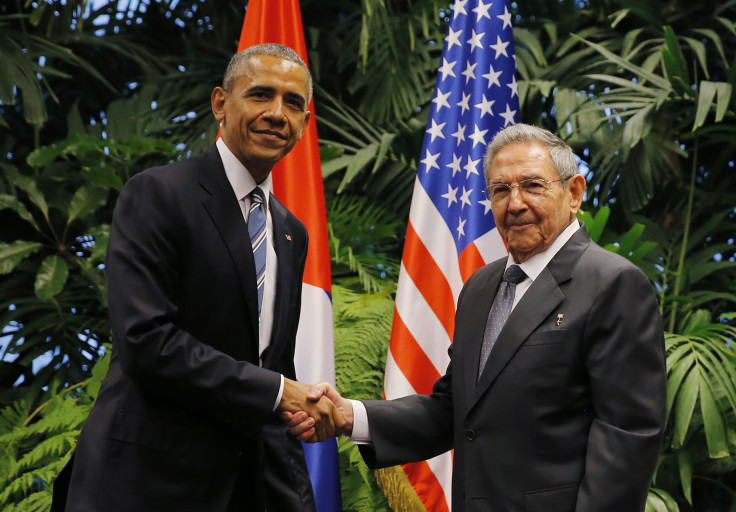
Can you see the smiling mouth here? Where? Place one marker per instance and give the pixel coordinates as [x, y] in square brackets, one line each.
[270, 133]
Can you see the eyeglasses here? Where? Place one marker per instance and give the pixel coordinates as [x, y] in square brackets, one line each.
[499, 191]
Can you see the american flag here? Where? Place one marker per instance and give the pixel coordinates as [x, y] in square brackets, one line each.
[451, 232]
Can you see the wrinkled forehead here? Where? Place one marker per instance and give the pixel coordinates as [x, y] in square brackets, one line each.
[267, 67]
[522, 160]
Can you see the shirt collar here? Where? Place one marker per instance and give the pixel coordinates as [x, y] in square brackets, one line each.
[534, 265]
[238, 176]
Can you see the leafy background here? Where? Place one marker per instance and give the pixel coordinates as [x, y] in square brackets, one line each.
[92, 93]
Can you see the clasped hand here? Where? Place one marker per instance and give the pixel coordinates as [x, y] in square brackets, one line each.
[324, 414]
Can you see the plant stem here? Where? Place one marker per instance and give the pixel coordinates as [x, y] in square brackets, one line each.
[685, 237]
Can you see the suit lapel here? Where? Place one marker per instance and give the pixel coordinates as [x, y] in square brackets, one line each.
[538, 303]
[224, 210]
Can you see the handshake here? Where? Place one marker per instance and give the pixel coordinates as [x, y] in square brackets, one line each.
[315, 413]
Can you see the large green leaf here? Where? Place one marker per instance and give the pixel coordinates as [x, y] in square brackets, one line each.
[660, 501]
[685, 406]
[85, 201]
[685, 464]
[706, 95]
[51, 277]
[674, 60]
[29, 186]
[13, 253]
[715, 429]
[12, 203]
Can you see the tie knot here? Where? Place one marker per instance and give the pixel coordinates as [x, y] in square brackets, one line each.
[514, 274]
[256, 195]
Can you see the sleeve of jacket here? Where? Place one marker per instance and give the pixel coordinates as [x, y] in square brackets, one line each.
[144, 269]
[412, 428]
[625, 363]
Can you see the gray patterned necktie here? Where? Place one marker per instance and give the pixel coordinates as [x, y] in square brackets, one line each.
[500, 312]
[257, 232]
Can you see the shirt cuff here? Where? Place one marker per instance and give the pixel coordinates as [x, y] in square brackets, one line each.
[281, 393]
[361, 430]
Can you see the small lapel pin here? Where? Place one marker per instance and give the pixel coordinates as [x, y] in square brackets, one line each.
[560, 316]
[288, 237]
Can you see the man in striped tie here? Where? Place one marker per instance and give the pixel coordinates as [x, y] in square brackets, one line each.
[555, 398]
[205, 268]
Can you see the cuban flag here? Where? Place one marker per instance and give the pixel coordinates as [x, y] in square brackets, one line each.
[451, 232]
[297, 182]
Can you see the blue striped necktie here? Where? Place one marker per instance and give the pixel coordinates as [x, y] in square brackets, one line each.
[257, 232]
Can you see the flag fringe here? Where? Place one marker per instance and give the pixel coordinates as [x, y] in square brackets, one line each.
[401, 496]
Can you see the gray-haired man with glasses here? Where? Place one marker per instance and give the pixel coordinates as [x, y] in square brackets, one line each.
[554, 399]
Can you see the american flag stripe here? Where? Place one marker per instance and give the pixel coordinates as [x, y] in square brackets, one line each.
[417, 318]
[432, 231]
[451, 231]
[429, 279]
[408, 353]
[428, 486]
[395, 385]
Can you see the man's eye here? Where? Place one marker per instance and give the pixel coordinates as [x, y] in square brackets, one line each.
[534, 186]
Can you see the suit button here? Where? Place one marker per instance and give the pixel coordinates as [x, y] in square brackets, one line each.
[470, 435]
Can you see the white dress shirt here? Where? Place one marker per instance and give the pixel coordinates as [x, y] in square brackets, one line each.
[243, 184]
[531, 267]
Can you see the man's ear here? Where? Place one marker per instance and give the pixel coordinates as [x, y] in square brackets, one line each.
[217, 99]
[576, 189]
[305, 123]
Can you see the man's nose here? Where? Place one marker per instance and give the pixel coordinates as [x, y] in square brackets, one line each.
[516, 199]
[275, 112]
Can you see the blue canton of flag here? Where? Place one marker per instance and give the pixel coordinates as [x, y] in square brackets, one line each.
[476, 95]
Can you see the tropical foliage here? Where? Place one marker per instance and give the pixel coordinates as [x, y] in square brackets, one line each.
[91, 94]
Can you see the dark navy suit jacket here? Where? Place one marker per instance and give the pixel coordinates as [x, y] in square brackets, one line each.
[184, 420]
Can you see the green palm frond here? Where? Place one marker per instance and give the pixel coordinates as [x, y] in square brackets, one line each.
[363, 238]
[702, 371]
[375, 161]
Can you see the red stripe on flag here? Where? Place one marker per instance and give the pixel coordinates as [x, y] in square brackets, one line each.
[297, 178]
[427, 486]
[470, 260]
[411, 359]
[429, 279]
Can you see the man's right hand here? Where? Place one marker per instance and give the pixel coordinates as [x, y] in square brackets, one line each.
[303, 426]
[323, 417]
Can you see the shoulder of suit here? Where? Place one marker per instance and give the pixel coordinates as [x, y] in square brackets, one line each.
[181, 172]
[603, 262]
[483, 273]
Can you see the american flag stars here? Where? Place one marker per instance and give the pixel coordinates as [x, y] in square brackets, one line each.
[476, 95]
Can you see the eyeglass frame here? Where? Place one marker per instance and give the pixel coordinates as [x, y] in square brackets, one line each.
[510, 186]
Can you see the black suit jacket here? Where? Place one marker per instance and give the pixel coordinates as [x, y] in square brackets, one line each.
[184, 420]
[566, 417]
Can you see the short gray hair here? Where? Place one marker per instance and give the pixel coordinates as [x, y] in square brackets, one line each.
[563, 157]
[237, 65]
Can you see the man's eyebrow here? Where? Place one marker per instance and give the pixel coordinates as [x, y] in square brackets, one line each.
[296, 96]
[272, 90]
[261, 88]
